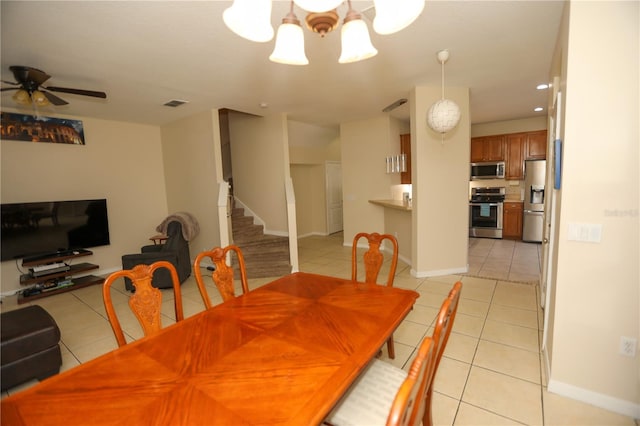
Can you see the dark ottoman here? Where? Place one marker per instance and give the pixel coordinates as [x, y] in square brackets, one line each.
[29, 346]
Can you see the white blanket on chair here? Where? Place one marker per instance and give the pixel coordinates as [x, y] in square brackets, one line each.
[190, 226]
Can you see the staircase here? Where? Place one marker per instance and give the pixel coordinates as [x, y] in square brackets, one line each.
[264, 255]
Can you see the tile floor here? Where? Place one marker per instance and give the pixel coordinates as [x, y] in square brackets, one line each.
[491, 371]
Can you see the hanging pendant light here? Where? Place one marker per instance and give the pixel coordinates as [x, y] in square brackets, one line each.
[393, 16]
[250, 19]
[289, 48]
[356, 43]
[443, 115]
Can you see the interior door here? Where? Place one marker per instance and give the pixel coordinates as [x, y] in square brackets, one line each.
[333, 175]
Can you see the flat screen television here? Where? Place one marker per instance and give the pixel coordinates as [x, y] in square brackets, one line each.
[37, 229]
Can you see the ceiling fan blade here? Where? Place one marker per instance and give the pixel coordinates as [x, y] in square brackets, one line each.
[10, 82]
[54, 99]
[78, 92]
[9, 88]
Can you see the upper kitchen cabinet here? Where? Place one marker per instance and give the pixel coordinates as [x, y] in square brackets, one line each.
[514, 165]
[487, 148]
[405, 148]
[513, 148]
[536, 146]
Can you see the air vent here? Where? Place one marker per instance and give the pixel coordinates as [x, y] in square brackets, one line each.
[395, 105]
[175, 103]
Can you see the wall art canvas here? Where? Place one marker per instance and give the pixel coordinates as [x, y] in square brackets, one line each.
[29, 128]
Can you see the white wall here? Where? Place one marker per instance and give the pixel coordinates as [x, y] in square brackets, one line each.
[190, 148]
[260, 162]
[310, 146]
[365, 144]
[509, 126]
[440, 177]
[597, 284]
[121, 162]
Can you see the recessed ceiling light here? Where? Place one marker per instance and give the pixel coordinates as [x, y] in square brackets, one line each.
[542, 86]
[538, 109]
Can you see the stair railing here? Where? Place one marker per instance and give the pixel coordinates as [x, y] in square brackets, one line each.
[292, 224]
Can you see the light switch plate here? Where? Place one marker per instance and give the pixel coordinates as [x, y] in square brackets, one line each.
[587, 232]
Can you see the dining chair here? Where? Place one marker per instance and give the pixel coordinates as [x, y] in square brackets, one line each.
[373, 260]
[145, 302]
[223, 273]
[387, 395]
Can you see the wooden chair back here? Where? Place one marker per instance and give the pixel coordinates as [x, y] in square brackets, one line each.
[440, 336]
[373, 257]
[146, 300]
[409, 403]
[373, 260]
[223, 274]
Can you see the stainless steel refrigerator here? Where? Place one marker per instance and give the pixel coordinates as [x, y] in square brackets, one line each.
[534, 191]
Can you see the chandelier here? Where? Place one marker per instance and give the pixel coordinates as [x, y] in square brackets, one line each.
[251, 19]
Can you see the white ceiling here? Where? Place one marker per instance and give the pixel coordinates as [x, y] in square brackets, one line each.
[143, 54]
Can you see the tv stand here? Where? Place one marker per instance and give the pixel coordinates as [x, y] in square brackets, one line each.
[56, 282]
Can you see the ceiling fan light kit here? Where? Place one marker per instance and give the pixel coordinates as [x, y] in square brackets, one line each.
[251, 19]
[22, 97]
[444, 115]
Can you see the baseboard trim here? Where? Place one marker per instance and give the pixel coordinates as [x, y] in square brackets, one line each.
[626, 408]
[439, 273]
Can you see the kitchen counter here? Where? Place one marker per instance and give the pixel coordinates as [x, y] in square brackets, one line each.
[513, 198]
[392, 204]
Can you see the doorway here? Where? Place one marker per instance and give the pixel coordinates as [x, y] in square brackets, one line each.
[333, 176]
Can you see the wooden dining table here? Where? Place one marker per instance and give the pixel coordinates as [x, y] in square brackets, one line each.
[282, 354]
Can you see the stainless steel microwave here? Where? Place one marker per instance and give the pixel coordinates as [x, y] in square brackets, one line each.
[493, 170]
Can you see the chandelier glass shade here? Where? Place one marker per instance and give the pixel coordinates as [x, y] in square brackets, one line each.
[251, 19]
[318, 5]
[356, 44]
[289, 47]
[393, 16]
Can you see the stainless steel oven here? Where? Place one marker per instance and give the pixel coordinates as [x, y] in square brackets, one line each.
[486, 209]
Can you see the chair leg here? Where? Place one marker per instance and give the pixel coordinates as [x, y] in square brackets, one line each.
[390, 348]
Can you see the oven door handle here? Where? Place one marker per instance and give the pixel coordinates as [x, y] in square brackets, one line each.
[483, 204]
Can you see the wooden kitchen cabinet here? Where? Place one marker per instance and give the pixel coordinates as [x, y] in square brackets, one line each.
[514, 164]
[487, 148]
[536, 146]
[405, 148]
[512, 221]
[512, 148]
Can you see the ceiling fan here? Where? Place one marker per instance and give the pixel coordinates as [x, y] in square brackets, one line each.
[30, 89]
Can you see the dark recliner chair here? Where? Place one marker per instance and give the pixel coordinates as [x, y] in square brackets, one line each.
[175, 251]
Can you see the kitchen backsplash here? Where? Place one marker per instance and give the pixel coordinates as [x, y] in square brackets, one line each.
[514, 189]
